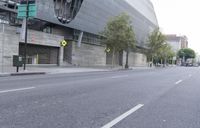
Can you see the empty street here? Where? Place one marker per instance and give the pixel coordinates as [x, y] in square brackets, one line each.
[150, 98]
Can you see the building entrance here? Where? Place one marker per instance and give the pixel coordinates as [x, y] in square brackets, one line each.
[38, 54]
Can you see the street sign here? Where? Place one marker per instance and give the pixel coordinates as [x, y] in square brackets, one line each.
[25, 1]
[32, 10]
[22, 11]
[107, 50]
[63, 43]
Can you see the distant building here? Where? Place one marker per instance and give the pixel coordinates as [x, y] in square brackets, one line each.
[177, 42]
[184, 42]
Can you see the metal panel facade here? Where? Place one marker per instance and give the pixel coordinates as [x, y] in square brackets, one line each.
[94, 14]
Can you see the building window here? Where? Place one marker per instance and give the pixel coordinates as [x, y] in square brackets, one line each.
[66, 10]
[88, 38]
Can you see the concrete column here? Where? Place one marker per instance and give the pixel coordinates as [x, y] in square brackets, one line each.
[60, 61]
[1, 51]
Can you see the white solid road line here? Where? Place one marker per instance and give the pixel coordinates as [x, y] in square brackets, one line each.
[178, 82]
[122, 76]
[123, 116]
[14, 90]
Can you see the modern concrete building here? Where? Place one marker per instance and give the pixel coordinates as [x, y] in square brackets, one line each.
[79, 22]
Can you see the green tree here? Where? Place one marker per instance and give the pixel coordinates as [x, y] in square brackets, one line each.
[119, 35]
[186, 53]
[156, 41]
[165, 53]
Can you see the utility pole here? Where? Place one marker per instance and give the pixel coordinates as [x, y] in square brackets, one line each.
[25, 43]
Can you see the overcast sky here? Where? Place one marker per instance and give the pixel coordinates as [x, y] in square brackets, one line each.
[180, 17]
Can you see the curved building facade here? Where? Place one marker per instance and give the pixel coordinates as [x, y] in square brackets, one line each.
[79, 22]
[92, 15]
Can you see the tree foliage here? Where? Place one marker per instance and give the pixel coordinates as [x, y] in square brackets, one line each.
[158, 49]
[119, 34]
[165, 51]
[156, 41]
[186, 53]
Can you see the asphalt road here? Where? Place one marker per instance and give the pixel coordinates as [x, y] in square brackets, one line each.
[157, 98]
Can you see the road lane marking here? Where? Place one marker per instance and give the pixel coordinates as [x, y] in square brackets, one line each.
[122, 76]
[14, 90]
[178, 82]
[123, 116]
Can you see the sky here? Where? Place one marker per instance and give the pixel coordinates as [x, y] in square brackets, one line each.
[181, 17]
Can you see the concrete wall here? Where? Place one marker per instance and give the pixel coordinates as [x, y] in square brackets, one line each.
[135, 59]
[68, 36]
[46, 39]
[8, 47]
[116, 59]
[88, 55]
[9, 44]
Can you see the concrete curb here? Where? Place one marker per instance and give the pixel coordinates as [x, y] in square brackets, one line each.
[49, 72]
[21, 74]
[27, 73]
[4, 74]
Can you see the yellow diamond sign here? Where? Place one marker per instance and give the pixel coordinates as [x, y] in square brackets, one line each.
[63, 43]
[107, 49]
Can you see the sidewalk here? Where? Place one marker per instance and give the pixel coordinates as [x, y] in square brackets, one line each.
[51, 70]
[59, 70]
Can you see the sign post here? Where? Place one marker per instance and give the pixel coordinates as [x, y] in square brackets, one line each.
[26, 9]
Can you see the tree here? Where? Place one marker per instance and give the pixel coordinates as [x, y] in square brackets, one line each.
[165, 53]
[186, 53]
[119, 35]
[156, 41]
[170, 55]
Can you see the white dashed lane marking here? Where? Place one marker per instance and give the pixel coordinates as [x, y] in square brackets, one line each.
[123, 116]
[178, 82]
[122, 76]
[15, 90]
